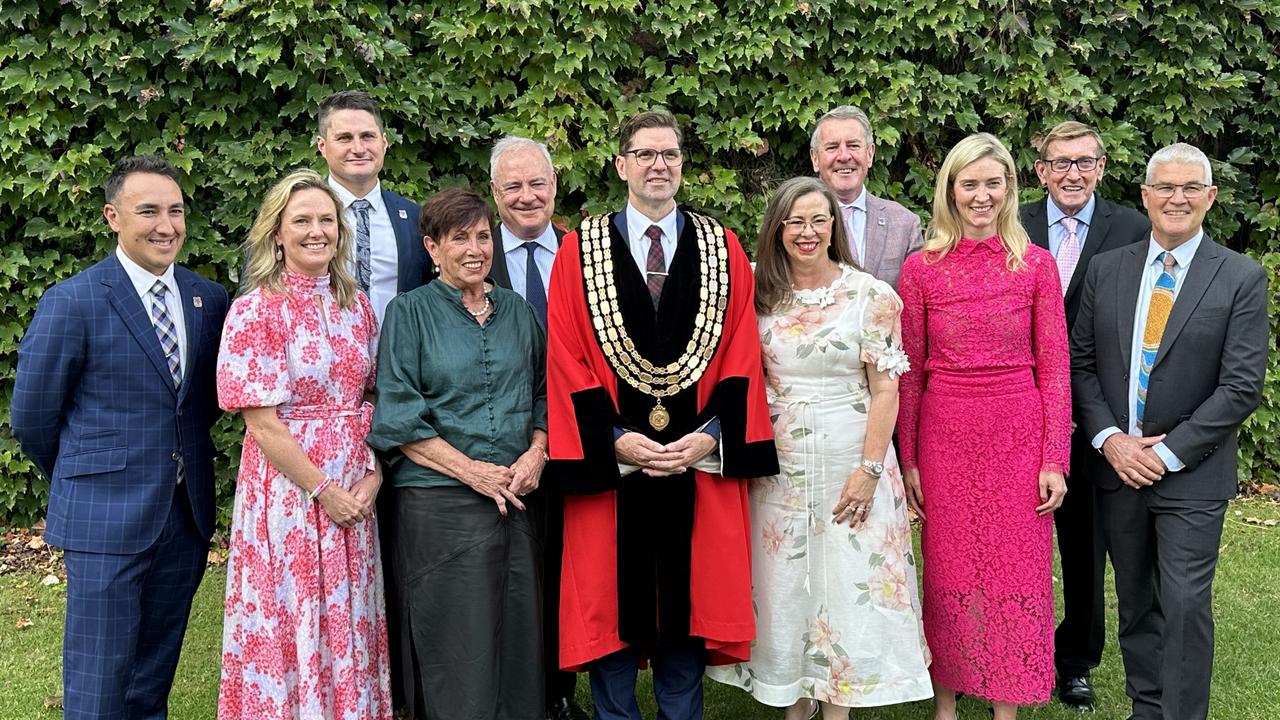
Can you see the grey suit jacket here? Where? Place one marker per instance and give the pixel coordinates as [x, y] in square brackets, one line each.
[893, 233]
[1207, 375]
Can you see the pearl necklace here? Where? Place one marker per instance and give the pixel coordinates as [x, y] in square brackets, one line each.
[483, 308]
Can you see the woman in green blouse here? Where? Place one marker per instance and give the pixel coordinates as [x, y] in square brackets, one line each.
[461, 425]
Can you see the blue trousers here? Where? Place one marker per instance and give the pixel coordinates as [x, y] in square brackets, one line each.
[677, 682]
[126, 615]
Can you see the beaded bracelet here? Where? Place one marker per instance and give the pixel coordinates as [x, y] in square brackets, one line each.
[311, 496]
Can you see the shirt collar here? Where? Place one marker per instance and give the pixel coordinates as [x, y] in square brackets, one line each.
[347, 197]
[142, 279]
[1085, 215]
[859, 202]
[1182, 254]
[512, 243]
[637, 223]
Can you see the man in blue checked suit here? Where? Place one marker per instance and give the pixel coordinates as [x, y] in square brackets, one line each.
[113, 401]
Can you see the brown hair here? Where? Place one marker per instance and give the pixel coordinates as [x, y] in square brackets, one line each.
[646, 120]
[1069, 130]
[451, 209]
[773, 267]
[347, 100]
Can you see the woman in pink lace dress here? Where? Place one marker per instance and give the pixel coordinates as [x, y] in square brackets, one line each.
[984, 429]
[305, 633]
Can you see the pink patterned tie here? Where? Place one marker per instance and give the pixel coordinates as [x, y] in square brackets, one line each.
[1068, 252]
[655, 264]
[847, 212]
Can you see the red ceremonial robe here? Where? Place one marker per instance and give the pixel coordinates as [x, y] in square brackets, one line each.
[683, 542]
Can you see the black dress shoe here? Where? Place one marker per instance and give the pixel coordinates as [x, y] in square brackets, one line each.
[1075, 692]
[564, 709]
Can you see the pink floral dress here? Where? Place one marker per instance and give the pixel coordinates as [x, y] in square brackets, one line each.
[837, 612]
[305, 631]
[986, 407]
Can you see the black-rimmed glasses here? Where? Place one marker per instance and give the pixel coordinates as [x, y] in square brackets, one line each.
[646, 157]
[1084, 164]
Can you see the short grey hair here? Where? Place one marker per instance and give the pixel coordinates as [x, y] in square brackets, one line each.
[1180, 153]
[511, 143]
[844, 112]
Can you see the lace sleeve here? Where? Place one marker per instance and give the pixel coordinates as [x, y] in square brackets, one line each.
[911, 384]
[1053, 367]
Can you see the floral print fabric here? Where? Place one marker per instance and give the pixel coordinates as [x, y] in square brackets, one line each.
[837, 614]
[305, 631]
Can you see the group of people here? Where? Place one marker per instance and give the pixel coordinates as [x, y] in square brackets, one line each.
[481, 457]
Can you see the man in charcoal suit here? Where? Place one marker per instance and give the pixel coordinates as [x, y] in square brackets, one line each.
[1076, 224]
[1168, 355]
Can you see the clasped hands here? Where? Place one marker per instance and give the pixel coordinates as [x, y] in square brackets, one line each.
[505, 485]
[348, 507]
[1134, 460]
[658, 460]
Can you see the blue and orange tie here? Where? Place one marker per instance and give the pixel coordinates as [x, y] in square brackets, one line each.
[1157, 318]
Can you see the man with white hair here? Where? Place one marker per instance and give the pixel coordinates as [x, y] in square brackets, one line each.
[1168, 355]
[882, 233]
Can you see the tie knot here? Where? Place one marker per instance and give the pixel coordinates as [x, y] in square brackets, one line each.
[1070, 224]
[361, 206]
[1167, 259]
[529, 245]
[159, 289]
[847, 211]
[654, 233]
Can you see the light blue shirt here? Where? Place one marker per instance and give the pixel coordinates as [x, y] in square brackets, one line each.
[1182, 256]
[857, 226]
[637, 224]
[517, 257]
[1058, 231]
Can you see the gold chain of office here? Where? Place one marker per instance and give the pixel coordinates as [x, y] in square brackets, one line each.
[619, 350]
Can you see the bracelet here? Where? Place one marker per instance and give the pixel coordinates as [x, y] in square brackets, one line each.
[311, 496]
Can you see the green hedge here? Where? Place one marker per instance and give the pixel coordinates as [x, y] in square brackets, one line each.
[225, 89]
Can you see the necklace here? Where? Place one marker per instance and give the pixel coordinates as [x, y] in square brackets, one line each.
[483, 308]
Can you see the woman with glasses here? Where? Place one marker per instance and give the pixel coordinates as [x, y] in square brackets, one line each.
[984, 433]
[837, 614]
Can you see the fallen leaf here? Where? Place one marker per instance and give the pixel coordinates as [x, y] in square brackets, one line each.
[50, 580]
[23, 623]
[1268, 489]
[216, 558]
[36, 543]
[53, 701]
[1269, 523]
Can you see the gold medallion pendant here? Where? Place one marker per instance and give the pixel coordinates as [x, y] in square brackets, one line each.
[658, 417]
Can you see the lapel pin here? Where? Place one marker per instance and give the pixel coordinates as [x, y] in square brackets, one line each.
[404, 215]
[197, 301]
[880, 222]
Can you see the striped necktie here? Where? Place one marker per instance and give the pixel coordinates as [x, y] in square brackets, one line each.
[1068, 252]
[364, 265]
[165, 331]
[1157, 318]
[655, 264]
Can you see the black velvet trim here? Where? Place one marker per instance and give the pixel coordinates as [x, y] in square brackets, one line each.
[739, 458]
[655, 533]
[597, 471]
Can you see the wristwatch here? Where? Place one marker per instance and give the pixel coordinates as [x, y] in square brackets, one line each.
[873, 467]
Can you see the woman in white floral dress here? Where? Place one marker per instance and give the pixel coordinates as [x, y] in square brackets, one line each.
[837, 612]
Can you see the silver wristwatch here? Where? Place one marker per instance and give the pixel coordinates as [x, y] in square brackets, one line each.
[873, 467]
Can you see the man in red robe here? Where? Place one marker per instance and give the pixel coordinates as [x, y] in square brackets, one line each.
[657, 414]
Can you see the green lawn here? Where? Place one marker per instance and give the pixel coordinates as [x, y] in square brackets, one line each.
[1246, 672]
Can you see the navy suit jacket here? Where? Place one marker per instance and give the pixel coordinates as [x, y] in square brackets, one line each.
[413, 263]
[95, 408]
[499, 273]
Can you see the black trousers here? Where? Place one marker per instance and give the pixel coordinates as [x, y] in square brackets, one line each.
[1080, 636]
[550, 513]
[472, 584]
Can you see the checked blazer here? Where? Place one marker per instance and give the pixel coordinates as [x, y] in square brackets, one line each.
[95, 408]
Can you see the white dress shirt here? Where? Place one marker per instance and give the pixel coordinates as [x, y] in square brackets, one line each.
[1058, 232]
[143, 281]
[637, 224]
[1151, 271]
[857, 226]
[544, 256]
[384, 251]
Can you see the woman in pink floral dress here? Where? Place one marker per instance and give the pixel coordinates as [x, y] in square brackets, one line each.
[984, 433]
[305, 629]
[833, 571]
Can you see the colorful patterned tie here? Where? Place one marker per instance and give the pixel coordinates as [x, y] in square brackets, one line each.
[655, 264]
[1157, 317]
[534, 291]
[166, 331]
[364, 266]
[1068, 252]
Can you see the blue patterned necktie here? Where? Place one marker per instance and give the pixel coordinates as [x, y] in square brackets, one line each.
[1158, 310]
[364, 265]
[165, 331]
[534, 291]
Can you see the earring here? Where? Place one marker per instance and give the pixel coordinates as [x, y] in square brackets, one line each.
[279, 253]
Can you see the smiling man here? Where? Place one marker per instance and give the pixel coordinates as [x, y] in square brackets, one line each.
[1075, 224]
[881, 232]
[1167, 360]
[113, 401]
[656, 414]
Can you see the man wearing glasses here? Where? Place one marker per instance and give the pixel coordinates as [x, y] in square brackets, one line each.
[657, 414]
[1167, 360]
[1075, 223]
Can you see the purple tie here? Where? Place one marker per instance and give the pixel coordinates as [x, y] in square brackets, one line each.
[1068, 252]
[655, 264]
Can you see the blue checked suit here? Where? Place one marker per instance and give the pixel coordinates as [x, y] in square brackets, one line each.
[95, 408]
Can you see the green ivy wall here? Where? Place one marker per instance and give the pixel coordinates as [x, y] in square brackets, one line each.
[226, 88]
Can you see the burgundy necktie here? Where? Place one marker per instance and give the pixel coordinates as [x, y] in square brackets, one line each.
[655, 264]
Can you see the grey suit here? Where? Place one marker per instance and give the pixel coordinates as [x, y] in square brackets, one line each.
[893, 233]
[1206, 379]
[1078, 641]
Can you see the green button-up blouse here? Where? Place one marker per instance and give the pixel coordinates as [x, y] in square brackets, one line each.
[482, 388]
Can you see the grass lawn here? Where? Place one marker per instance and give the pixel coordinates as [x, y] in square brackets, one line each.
[1246, 669]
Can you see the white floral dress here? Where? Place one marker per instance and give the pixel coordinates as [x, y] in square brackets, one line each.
[837, 611]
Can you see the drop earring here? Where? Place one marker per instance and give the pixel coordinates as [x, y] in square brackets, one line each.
[279, 253]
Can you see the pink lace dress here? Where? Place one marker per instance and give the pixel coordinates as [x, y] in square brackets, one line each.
[305, 632]
[986, 407]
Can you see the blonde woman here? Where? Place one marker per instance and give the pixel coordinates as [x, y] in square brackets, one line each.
[305, 628]
[984, 432]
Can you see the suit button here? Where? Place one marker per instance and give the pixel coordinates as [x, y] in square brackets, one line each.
[179, 412]
[176, 455]
[1126, 376]
[1124, 418]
